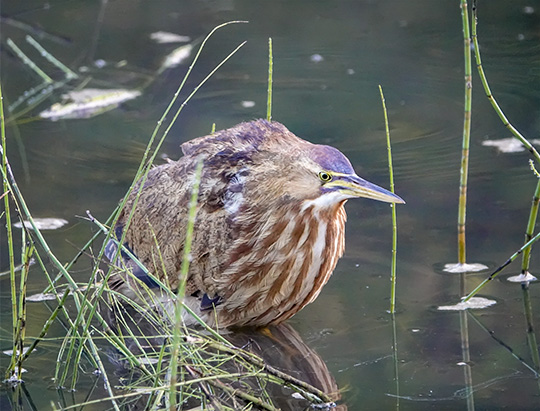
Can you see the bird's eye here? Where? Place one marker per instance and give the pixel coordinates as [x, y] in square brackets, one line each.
[324, 176]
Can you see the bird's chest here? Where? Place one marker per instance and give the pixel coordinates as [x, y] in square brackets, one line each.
[283, 262]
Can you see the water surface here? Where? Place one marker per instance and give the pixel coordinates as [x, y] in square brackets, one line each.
[414, 50]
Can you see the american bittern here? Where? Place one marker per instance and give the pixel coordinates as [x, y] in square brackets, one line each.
[269, 228]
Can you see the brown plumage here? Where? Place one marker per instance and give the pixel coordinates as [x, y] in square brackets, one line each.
[269, 228]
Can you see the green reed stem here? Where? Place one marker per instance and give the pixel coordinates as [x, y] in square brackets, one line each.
[70, 74]
[86, 324]
[194, 91]
[26, 60]
[464, 170]
[533, 214]
[502, 267]
[28, 250]
[14, 188]
[270, 80]
[184, 270]
[394, 218]
[490, 96]
[9, 228]
[11, 185]
[536, 199]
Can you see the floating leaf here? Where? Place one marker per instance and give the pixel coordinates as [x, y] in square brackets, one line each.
[508, 145]
[474, 303]
[88, 103]
[43, 223]
[10, 352]
[247, 103]
[522, 278]
[43, 297]
[464, 268]
[149, 361]
[176, 57]
[505, 145]
[166, 37]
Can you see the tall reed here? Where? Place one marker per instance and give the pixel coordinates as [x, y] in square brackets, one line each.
[393, 206]
[464, 169]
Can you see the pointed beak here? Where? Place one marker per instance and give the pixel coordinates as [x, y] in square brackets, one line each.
[354, 186]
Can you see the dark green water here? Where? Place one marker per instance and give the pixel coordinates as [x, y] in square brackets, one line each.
[414, 50]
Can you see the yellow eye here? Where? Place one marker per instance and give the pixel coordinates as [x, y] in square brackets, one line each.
[324, 176]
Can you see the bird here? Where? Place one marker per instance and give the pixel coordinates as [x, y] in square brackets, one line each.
[269, 226]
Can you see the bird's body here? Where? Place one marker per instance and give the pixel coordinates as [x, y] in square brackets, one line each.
[269, 228]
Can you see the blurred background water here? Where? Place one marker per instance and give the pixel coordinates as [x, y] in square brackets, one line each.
[329, 58]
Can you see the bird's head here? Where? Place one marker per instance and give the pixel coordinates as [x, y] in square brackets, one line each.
[325, 177]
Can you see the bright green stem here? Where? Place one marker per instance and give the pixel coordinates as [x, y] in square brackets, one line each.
[28, 250]
[270, 74]
[10, 182]
[533, 214]
[184, 269]
[490, 97]
[464, 170]
[9, 229]
[394, 218]
[534, 207]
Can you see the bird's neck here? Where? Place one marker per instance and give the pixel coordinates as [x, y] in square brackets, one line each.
[330, 243]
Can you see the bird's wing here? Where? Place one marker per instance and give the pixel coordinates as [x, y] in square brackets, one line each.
[157, 231]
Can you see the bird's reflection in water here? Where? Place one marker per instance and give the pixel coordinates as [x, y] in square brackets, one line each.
[281, 348]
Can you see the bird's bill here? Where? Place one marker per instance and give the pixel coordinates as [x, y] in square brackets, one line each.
[354, 186]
